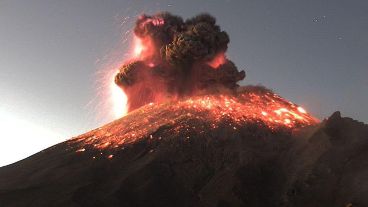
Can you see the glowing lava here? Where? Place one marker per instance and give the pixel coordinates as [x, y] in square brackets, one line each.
[200, 114]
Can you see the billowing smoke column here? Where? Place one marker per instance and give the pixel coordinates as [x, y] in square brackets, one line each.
[177, 58]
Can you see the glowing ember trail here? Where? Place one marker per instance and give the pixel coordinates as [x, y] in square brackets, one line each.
[199, 114]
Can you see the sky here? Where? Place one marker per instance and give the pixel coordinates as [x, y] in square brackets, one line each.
[56, 59]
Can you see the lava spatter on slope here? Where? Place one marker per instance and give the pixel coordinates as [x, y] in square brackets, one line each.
[253, 105]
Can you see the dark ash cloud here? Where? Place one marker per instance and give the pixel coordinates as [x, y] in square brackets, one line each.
[179, 58]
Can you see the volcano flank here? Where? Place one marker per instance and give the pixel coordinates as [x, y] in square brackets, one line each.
[172, 155]
[194, 137]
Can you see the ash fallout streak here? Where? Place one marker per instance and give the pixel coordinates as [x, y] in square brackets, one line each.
[176, 58]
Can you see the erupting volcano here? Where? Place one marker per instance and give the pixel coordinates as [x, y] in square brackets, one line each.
[194, 137]
[184, 61]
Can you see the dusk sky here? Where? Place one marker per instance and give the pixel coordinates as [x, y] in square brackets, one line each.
[54, 56]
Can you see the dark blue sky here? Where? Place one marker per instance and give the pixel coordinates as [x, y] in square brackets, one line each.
[312, 52]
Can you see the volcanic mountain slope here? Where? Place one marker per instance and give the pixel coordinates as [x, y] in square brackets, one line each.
[206, 151]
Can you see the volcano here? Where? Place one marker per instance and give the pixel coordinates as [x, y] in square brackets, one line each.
[248, 149]
[194, 137]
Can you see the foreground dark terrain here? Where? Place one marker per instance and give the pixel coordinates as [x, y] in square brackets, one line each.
[184, 160]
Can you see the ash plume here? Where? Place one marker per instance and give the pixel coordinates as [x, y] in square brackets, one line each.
[177, 58]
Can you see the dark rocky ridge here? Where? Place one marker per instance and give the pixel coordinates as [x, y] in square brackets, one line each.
[317, 166]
